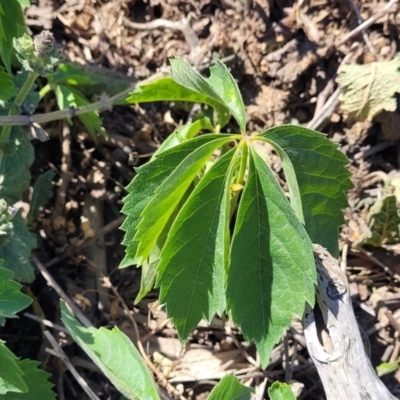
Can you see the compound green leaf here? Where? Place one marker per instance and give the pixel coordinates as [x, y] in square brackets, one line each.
[42, 193]
[281, 391]
[225, 85]
[17, 251]
[230, 388]
[149, 268]
[221, 87]
[11, 25]
[12, 300]
[10, 372]
[37, 382]
[68, 97]
[166, 89]
[167, 196]
[142, 188]
[7, 86]
[272, 272]
[318, 178]
[184, 133]
[115, 355]
[195, 255]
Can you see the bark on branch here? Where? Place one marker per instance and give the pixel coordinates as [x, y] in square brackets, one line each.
[334, 340]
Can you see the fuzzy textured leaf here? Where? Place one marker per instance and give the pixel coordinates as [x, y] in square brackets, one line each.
[384, 216]
[12, 300]
[116, 356]
[141, 190]
[230, 388]
[270, 277]
[68, 97]
[166, 89]
[281, 391]
[42, 193]
[10, 372]
[11, 26]
[37, 382]
[14, 168]
[195, 255]
[17, 251]
[317, 177]
[7, 86]
[368, 89]
[167, 196]
[220, 86]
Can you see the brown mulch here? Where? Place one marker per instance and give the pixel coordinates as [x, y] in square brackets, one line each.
[283, 55]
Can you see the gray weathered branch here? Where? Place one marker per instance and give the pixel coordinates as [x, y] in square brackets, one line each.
[334, 341]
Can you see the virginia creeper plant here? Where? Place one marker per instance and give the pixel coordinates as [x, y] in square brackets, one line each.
[211, 226]
[207, 219]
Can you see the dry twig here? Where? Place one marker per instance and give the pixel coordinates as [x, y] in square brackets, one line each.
[52, 282]
[389, 7]
[58, 352]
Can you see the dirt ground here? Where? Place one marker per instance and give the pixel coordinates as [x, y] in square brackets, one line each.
[285, 56]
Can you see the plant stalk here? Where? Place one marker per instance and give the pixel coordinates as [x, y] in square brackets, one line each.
[240, 178]
[30, 80]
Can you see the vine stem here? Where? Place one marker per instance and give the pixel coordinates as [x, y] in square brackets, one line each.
[30, 80]
[243, 163]
[242, 171]
[103, 104]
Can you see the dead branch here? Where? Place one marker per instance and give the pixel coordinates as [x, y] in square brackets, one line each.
[389, 7]
[333, 338]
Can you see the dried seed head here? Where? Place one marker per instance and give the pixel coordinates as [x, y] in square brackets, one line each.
[44, 43]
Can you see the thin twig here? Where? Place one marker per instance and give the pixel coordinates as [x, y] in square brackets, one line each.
[182, 26]
[45, 322]
[322, 117]
[326, 111]
[58, 352]
[323, 96]
[376, 261]
[70, 251]
[66, 173]
[366, 24]
[51, 281]
[393, 321]
[163, 380]
[105, 103]
[364, 32]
